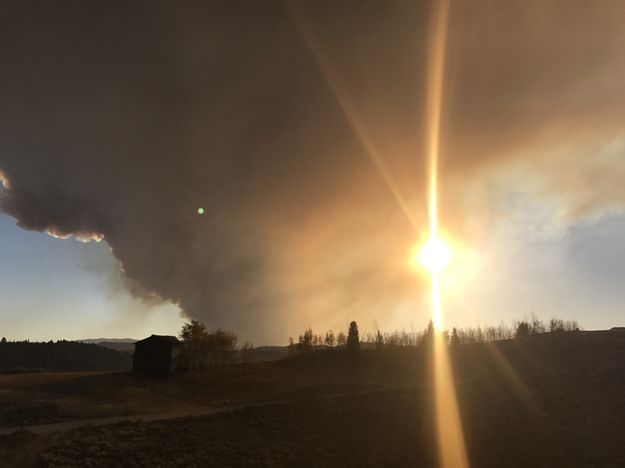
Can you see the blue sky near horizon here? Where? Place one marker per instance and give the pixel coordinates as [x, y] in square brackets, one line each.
[62, 288]
[579, 274]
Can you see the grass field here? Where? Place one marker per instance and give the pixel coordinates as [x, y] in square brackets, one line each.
[553, 402]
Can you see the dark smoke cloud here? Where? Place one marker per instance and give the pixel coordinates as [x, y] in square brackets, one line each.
[120, 119]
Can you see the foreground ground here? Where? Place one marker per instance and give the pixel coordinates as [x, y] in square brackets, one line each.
[557, 402]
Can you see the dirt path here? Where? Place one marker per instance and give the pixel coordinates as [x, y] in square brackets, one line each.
[65, 426]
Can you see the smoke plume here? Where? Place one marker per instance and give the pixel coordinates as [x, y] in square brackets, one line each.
[118, 120]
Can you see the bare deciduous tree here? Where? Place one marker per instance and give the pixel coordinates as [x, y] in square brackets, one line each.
[206, 350]
[329, 339]
[341, 339]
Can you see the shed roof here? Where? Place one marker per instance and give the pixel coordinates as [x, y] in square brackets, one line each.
[162, 338]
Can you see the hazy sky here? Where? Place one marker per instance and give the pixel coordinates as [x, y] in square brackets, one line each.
[53, 289]
[299, 127]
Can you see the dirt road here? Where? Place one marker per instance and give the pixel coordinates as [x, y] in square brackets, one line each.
[65, 426]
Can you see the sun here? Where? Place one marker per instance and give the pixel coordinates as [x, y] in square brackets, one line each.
[435, 255]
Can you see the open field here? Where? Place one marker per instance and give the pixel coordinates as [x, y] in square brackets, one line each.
[551, 401]
[51, 397]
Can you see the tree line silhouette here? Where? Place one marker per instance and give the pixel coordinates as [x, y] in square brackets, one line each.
[457, 336]
[61, 356]
[213, 351]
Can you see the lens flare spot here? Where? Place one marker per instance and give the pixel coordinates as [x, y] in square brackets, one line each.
[200, 211]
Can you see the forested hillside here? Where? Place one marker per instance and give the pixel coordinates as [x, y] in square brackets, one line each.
[61, 356]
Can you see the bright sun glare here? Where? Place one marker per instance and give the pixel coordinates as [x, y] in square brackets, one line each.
[435, 255]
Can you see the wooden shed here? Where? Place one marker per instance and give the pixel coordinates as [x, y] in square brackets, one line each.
[157, 356]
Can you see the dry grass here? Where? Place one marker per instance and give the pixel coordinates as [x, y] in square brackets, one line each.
[47, 397]
[568, 412]
[380, 428]
[373, 430]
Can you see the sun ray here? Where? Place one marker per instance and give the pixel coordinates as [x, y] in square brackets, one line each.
[435, 255]
[352, 115]
[512, 378]
[452, 450]
[451, 446]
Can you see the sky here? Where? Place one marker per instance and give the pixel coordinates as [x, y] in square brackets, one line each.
[300, 128]
[66, 289]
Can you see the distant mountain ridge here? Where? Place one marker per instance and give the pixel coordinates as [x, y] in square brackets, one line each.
[124, 345]
[127, 345]
[108, 340]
